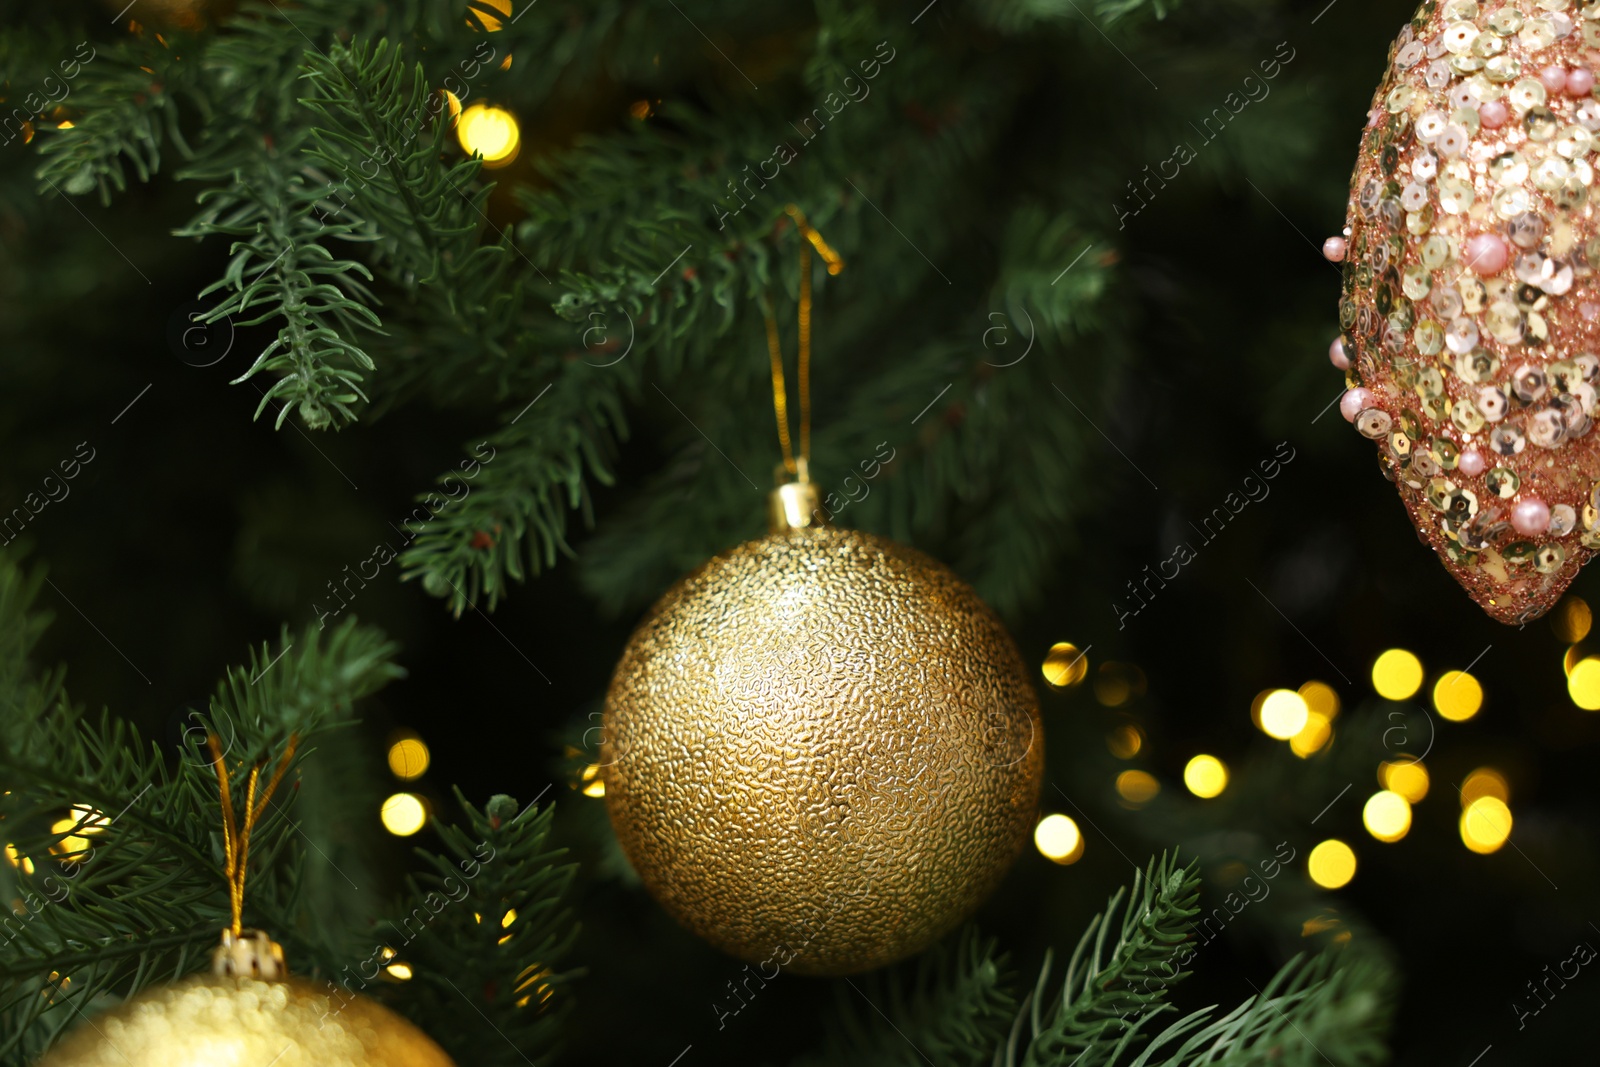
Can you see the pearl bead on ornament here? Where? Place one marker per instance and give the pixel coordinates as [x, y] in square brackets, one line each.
[1471, 462]
[1531, 517]
[1333, 249]
[1554, 78]
[1493, 114]
[1354, 402]
[1336, 354]
[1579, 82]
[1487, 253]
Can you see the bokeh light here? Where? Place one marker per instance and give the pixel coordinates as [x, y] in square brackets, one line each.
[1409, 778]
[1117, 683]
[1065, 665]
[1313, 736]
[1137, 787]
[1397, 674]
[1057, 838]
[1457, 696]
[1571, 619]
[1206, 776]
[594, 785]
[86, 821]
[18, 860]
[1485, 824]
[1283, 714]
[1386, 815]
[1583, 683]
[1321, 699]
[490, 22]
[1331, 864]
[1125, 741]
[402, 971]
[404, 814]
[408, 758]
[491, 131]
[1485, 782]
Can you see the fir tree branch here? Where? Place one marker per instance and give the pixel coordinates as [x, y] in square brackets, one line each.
[487, 932]
[513, 519]
[125, 100]
[281, 270]
[955, 1000]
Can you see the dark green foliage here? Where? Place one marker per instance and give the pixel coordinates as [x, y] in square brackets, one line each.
[950, 1007]
[486, 935]
[957, 1007]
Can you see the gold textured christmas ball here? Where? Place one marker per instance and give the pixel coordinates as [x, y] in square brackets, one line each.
[209, 1020]
[822, 751]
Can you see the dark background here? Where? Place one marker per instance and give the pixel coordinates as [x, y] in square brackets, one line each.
[193, 526]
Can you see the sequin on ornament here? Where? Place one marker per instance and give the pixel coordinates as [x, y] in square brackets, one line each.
[1470, 315]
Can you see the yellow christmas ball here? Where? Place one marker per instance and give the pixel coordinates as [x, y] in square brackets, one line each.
[822, 751]
[211, 1020]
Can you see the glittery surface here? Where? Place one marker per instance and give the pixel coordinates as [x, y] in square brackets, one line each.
[1471, 306]
[207, 1021]
[821, 751]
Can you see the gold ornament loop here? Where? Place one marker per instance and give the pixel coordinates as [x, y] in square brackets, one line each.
[793, 465]
[236, 834]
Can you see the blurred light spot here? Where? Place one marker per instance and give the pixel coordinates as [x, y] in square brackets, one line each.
[1583, 683]
[1409, 778]
[1457, 696]
[1331, 864]
[1397, 674]
[1313, 736]
[1116, 683]
[1206, 776]
[1485, 824]
[1485, 782]
[1572, 657]
[1319, 923]
[490, 22]
[491, 132]
[593, 784]
[640, 109]
[1137, 787]
[1125, 741]
[1283, 714]
[1064, 665]
[453, 103]
[408, 758]
[404, 814]
[18, 860]
[1571, 620]
[401, 971]
[86, 821]
[1387, 816]
[1321, 699]
[1057, 838]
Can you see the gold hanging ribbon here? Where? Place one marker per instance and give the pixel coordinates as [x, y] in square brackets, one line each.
[780, 391]
[236, 836]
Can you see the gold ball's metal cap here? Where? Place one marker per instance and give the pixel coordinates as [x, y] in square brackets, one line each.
[796, 504]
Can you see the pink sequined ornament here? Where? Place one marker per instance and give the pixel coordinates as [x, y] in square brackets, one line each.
[1470, 312]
